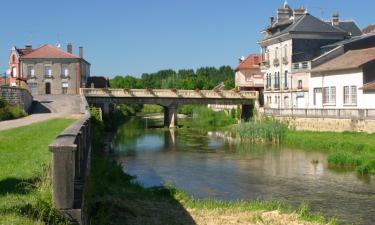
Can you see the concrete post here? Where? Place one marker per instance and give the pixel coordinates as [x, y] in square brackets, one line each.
[170, 116]
[63, 174]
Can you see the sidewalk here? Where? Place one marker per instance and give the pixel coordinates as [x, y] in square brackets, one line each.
[9, 124]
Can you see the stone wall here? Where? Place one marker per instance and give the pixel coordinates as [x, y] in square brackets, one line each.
[17, 96]
[329, 124]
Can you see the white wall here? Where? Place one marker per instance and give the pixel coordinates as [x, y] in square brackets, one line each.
[339, 79]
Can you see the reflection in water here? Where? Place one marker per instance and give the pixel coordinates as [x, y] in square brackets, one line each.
[207, 166]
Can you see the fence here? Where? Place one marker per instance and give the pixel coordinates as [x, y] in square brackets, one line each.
[323, 113]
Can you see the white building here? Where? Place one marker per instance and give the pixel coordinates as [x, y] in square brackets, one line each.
[289, 44]
[345, 82]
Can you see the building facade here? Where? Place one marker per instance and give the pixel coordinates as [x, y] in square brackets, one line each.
[345, 82]
[289, 44]
[50, 70]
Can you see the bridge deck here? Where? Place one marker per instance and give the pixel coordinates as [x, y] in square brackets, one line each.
[167, 93]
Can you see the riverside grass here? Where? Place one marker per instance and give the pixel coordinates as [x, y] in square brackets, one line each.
[25, 182]
[345, 150]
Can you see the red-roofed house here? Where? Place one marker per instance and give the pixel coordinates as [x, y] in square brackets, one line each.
[48, 69]
[248, 75]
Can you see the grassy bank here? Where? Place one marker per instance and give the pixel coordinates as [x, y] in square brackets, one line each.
[204, 117]
[25, 185]
[8, 112]
[351, 150]
[345, 150]
[114, 198]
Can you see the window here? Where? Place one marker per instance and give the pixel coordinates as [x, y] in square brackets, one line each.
[286, 79]
[13, 58]
[65, 88]
[47, 71]
[277, 79]
[316, 92]
[276, 52]
[33, 87]
[285, 51]
[64, 71]
[350, 95]
[14, 72]
[30, 71]
[305, 65]
[296, 66]
[268, 80]
[299, 84]
[248, 77]
[329, 95]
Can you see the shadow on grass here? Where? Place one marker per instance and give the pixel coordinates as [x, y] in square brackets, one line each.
[114, 198]
[17, 186]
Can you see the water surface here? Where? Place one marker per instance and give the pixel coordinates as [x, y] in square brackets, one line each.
[207, 166]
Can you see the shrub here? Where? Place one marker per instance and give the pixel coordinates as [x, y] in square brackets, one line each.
[8, 112]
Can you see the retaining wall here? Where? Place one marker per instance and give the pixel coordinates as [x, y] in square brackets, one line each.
[329, 124]
[17, 96]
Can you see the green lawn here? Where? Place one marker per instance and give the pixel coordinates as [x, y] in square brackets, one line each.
[25, 190]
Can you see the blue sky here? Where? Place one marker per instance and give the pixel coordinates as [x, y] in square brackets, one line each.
[137, 36]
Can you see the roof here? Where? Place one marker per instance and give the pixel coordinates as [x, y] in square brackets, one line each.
[309, 24]
[348, 26]
[369, 86]
[24, 51]
[251, 62]
[98, 81]
[369, 29]
[350, 60]
[48, 51]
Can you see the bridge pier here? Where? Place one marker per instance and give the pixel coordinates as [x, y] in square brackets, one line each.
[105, 108]
[170, 116]
[246, 112]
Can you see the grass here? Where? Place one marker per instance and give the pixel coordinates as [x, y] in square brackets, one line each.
[114, 197]
[25, 184]
[204, 117]
[347, 149]
[256, 131]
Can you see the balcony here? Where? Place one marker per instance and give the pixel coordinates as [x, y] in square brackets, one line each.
[276, 87]
[285, 61]
[276, 62]
[266, 64]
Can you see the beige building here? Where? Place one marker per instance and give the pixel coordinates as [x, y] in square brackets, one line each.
[50, 70]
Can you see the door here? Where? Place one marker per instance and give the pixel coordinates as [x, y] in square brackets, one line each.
[318, 98]
[48, 88]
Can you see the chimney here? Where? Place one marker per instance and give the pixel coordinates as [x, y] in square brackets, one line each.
[69, 48]
[335, 19]
[272, 19]
[284, 13]
[298, 13]
[28, 47]
[80, 51]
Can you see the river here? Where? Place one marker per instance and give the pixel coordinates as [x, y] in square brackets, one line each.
[207, 166]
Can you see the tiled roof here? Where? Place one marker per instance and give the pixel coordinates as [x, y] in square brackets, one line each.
[309, 24]
[251, 62]
[350, 60]
[348, 26]
[24, 51]
[369, 86]
[48, 51]
[369, 29]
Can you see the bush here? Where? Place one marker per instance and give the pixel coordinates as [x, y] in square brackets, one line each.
[8, 112]
[206, 117]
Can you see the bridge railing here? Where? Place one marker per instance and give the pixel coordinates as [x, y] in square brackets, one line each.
[323, 113]
[167, 93]
[70, 166]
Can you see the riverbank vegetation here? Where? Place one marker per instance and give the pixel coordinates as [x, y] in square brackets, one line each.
[113, 197]
[25, 182]
[348, 149]
[345, 150]
[8, 112]
[204, 117]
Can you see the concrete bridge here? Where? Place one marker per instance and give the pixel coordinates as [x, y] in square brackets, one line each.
[170, 99]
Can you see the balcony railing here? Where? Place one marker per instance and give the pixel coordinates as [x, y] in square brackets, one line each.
[285, 61]
[276, 62]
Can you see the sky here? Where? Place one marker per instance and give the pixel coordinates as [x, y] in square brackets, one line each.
[131, 37]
